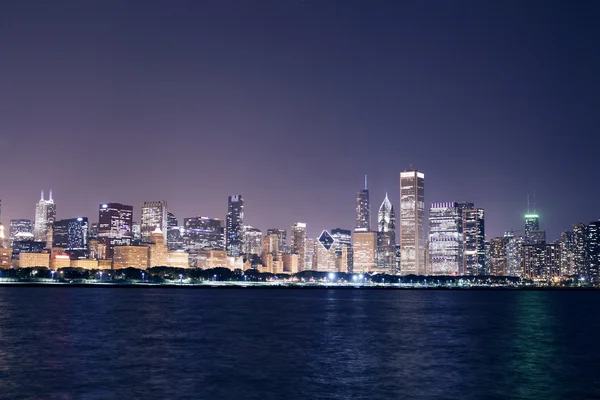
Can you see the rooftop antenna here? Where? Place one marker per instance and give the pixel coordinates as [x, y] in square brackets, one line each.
[50, 195]
[366, 182]
[527, 203]
[42, 198]
[534, 201]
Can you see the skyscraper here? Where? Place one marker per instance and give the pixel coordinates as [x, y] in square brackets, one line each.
[20, 226]
[282, 236]
[174, 233]
[513, 254]
[233, 225]
[71, 234]
[363, 210]
[593, 250]
[343, 238]
[386, 237]
[203, 233]
[364, 245]
[412, 216]
[154, 215]
[298, 243]
[251, 240]
[565, 247]
[580, 260]
[473, 241]
[498, 258]
[45, 214]
[445, 238]
[115, 221]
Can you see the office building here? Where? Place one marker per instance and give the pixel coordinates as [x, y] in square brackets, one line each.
[363, 210]
[174, 233]
[565, 248]
[446, 238]
[233, 225]
[386, 237]
[282, 237]
[532, 224]
[309, 254]
[593, 250]
[342, 238]
[130, 257]
[540, 262]
[154, 215]
[115, 225]
[324, 255]
[473, 226]
[513, 254]
[364, 245]
[158, 250]
[498, 258]
[580, 259]
[5, 257]
[203, 233]
[412, 217]
[45, 215]
[30, 260]
[298, 243]
[251, 240]
[71, 234]
[20, 226]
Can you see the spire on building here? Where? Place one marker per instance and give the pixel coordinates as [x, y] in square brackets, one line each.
[50, 199]
[366, 182]
[42, 198]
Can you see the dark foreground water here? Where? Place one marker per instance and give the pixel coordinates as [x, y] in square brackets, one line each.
[88, 343]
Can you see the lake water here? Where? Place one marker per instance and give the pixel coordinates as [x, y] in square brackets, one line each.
[108, 343]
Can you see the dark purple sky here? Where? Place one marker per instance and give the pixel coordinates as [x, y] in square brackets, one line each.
[291, 102]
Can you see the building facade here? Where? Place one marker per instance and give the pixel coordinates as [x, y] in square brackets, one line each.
[412, 217]
[45, 215]
[115, 223]
[363, 210]
[386, 237]
[473, 241]
[445, 239]
[298, 243]
[233, 225]
[154, 215]
[71, 234]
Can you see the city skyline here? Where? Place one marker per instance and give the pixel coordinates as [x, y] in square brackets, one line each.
[317, 87]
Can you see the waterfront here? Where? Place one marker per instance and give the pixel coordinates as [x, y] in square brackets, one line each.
[98, 343]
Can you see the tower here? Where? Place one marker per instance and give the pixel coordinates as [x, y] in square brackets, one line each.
[298, 244]
[154, 215]
[363, 210]
[45, 214]
[233, 225]
[412, 216]
[386, 236]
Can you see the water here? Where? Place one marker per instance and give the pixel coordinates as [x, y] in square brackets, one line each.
[103, 343]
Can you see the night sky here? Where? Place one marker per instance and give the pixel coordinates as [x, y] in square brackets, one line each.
[291, 102]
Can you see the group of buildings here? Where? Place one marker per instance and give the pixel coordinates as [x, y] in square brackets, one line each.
[451, 241]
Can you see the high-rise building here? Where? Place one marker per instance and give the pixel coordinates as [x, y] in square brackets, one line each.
[45, 214]
[540, 262]
[251, 240]
[532, 224]
[498, 258]
[174, 233]
[364, 245]
[203, 233]
[130, 256]
[580, 259]
[513, 254]
[309, 254]
[343, 238]
[234, 224]
[363, 210]
[154, 215]
[324, 256]
[20, 226]
[71, 234]
[473, 241]
[271, 243]
[446, 238]
[386, 237]
[298, 243]
[565, 248]
[136, 232]
[412, 217]
[158, 251]
[593, 250]
[282, 237]
[115, 222]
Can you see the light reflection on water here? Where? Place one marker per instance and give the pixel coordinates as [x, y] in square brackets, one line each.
[296, 344]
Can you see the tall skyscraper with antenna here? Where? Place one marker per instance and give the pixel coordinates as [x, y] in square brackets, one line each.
[45, 215]
[363, 210]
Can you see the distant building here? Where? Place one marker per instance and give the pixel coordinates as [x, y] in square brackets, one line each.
[324, 255]
[209, 259]
[282, 237]
[386, 237]
[5, 257]
[158, 250]
[30, 260]
[446, 238]
[85, 264]
[343, 238]
[565, 248]
[364, 246]
[473, 242]
[233, 225]
[532, 225]
[71, 234]
[290, 263]
[115, 226]
[251, 240]
[174, 233]
[513, 254]
[593, 251]
[20, 226]
[45, 215]
[154, 215]
[298, 244]
[412, 216]
[498, 258]
[178, 259]
[130, 256]
[580, 259]
[309, 254]
[363, 210]
[203, 233]
[540, 262]
[271, 243]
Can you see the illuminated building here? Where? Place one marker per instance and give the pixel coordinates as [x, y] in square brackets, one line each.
[130, 256]
[209, 259]
[498, 258]
[324, 255]
[5, 257]
[565, 247]
[158, 250]
[593, 250]
[30, 260]
[234, 223]
[446, 238]
[71, 234]
[532, 224]
[364, 245]
[271, 243]
[290, 263]
[540, 262]
[346, 260]
[115, 223]
[363, 210]
[252, 240]
[59, 259]
[93, 231]
[309, 254]
[174, 233]
[298, 244]
[473, 226]
[85, 264]
[154, 215]
[513, 254]
[282, 236]
[342, 238]
[178, 259]
[27, 246]
[20, 226]
[45, 214]
[136, 232]
[203, 233]
[412, 215]
[580, 260]
[386, 237]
